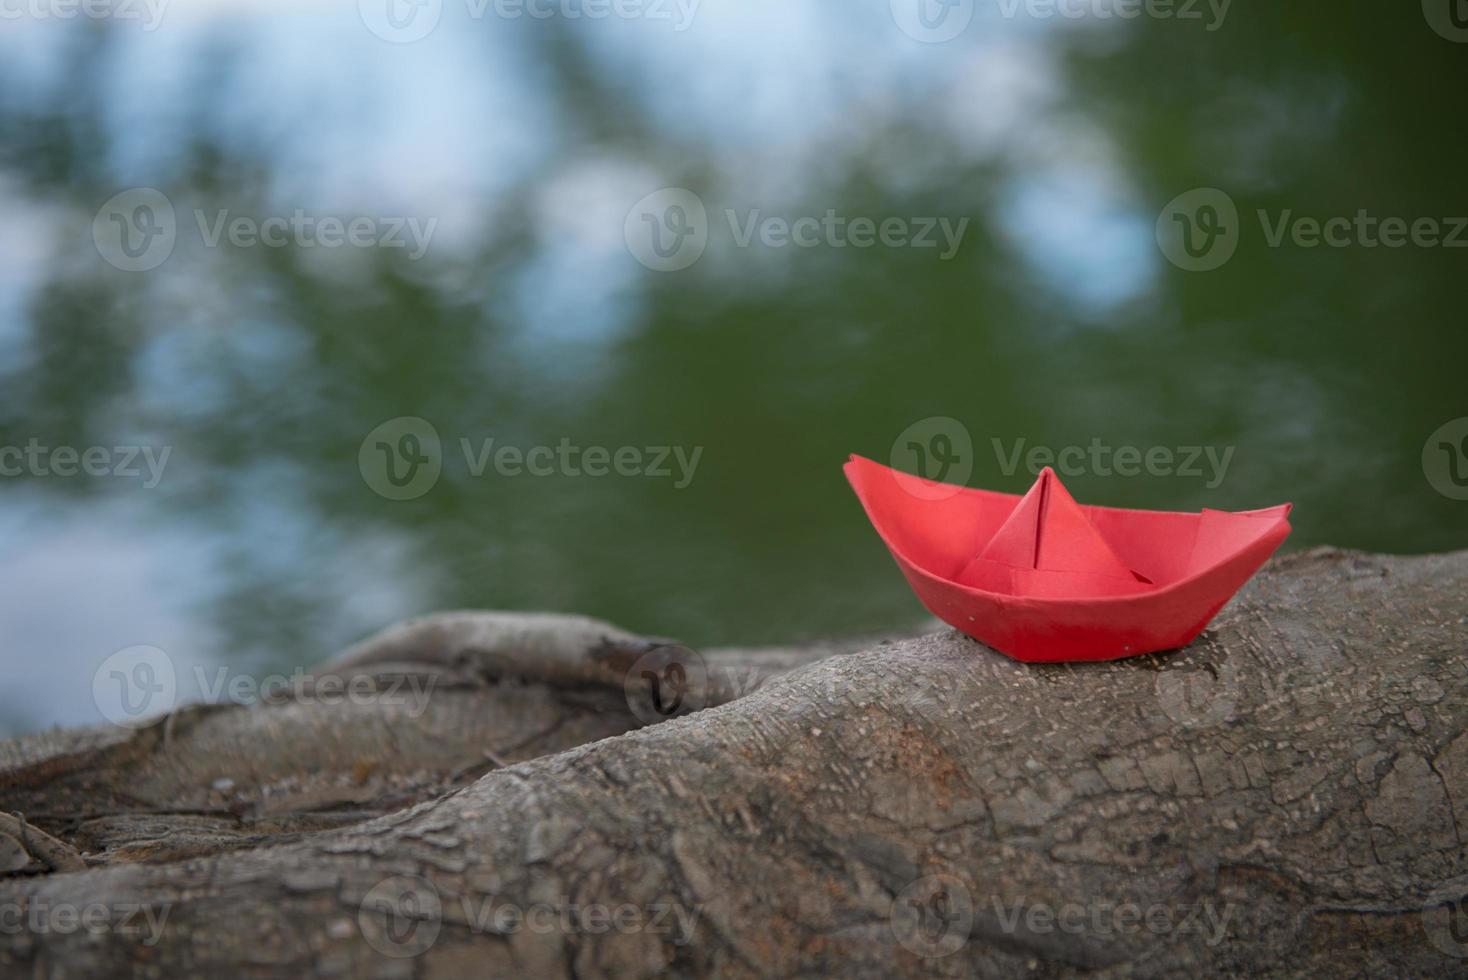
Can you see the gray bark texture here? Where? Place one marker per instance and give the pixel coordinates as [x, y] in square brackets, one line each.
[1287, 796]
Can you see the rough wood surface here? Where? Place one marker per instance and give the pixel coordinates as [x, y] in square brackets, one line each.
[1287, 796]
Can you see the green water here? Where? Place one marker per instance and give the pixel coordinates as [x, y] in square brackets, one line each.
[1057, 321]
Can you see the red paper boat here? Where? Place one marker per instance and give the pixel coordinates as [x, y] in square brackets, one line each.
[1043, 578]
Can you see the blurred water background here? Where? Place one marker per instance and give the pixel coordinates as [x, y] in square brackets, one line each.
[531, 317]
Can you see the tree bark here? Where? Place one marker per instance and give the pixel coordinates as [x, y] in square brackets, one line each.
[1286, 796]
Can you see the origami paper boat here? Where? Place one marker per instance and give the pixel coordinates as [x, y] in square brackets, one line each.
[1043, 579]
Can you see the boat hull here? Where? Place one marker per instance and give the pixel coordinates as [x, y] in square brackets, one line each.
[930, 538]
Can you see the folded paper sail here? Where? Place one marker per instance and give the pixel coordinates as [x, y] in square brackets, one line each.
[1043, 578]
